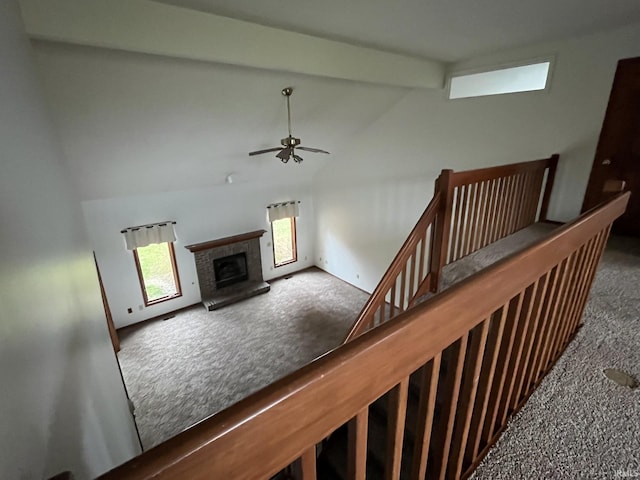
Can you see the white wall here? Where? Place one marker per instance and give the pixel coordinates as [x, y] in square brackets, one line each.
[366, 208]
[63, 405]
[149, 138]
[201, 215]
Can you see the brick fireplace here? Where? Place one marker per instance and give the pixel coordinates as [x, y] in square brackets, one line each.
[229, 269]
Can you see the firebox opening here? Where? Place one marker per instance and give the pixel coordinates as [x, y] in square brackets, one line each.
[230, 270]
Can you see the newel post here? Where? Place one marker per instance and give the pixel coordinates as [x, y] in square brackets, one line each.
[546, 197]
[440, 242]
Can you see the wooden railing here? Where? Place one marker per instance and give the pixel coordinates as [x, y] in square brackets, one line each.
[481, 347]
[407, 277]
[491, 203]
[469, 210]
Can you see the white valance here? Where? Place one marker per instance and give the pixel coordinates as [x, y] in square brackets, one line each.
[143, 235]
[277, 211]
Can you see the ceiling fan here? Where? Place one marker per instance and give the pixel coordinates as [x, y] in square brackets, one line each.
[287, 151]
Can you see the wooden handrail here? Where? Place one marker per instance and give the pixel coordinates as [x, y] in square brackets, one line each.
[418, 263]
[469, 210]
[267, 431]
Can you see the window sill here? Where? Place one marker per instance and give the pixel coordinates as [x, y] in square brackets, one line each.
[163, 299]
[288, 262]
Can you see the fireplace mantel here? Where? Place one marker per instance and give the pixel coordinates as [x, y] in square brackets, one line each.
[205, 254]
[198, 247]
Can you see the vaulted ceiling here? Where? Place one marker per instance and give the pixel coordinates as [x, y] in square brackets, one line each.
[448, 30]
[133, 123]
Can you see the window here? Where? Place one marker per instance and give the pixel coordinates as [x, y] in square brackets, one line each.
[157, 271]
[522, 78]
[283, 234]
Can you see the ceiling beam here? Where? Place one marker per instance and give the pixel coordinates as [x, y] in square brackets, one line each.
[155, 28]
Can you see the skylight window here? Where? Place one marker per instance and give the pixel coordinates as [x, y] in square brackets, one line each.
[521, 78]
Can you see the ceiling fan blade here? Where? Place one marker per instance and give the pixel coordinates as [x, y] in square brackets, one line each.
[285, 153]
[314, 150]
[297, 158]
[259, 152]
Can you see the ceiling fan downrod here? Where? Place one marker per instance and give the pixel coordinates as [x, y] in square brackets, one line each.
[287, 93]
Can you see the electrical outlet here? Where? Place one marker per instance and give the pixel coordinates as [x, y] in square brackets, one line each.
[129, 310]
[140, 307]
[357, 275]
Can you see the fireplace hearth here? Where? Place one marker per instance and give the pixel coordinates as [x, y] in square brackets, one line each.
[229, 269]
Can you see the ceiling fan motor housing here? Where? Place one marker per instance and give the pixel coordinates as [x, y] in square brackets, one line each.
[290, 141]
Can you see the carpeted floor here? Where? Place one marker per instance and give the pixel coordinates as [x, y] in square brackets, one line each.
[180, 371]
[578, 423]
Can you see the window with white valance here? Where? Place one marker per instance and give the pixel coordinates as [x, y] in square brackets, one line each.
[282, 217]
[143, 235]
[278, 211]
[155, 260]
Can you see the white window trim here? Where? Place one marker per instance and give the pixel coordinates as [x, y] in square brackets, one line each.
[502, 66]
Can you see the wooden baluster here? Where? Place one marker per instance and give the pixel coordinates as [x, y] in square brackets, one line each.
[308, 463]
[518, 195]
[510, 202]
[458, 222]
[488, 224]
[375, 316]
[546, 197]
[569, 300]
[584, 263]
[383, 309]
[532, 196]
[482, 216]
[502, 208]
[516, 355]
[512, 206]
[594, 258]
[521, 197]
[543, 283]
[357, 449]
[501, 371]
[488, 214]
[555, 317]
[535, 197]
[470, 223]
[395, 429]
[403, 288]
[421, 258]
[392, 300]
[413, 285]
[426, 409]
[485, 384]
[441, 443]
[499, 203]
[588, 261]
[548, 333]
[527, 189]
[564, 306]
[535, 200]
[467, 398]
[527, 193]
[477, 224]
[529, 379]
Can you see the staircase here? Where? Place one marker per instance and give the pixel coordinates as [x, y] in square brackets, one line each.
[469, 210]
